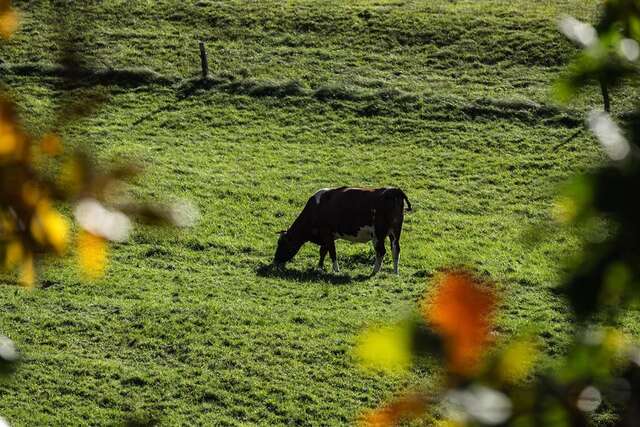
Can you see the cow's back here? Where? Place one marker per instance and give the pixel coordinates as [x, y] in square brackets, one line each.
[346, 210]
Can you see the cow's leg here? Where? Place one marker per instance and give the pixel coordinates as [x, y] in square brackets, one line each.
[332, 254]
[395, 249]
[394, 236]
[323, 252]
[378, 245]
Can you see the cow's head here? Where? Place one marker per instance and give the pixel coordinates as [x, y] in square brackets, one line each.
[287, 249]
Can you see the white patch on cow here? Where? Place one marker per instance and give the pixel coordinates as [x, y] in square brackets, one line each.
[319, 194]
[336, 268]
[364, 235]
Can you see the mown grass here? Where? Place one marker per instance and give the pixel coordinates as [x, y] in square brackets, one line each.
[448, 100]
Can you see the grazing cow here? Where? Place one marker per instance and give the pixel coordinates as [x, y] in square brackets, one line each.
[354, 214]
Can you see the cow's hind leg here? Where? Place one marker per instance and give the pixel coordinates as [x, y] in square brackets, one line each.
[394, 236]
[323, 253]
[395, 250]
[378, 245]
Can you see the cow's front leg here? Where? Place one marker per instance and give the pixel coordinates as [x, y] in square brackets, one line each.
[323, 253]
[332, 254]
[378, 244]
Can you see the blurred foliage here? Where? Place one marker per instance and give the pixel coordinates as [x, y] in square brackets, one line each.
[498, 385]
[501, 384]
[8, 19]
[40, 176]
[460, 312]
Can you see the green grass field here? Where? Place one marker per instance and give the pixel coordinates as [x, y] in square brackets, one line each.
[449, 100]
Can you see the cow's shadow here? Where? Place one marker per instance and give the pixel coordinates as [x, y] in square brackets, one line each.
[312, 275]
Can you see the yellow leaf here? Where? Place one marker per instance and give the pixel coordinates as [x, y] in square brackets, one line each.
[13, 254]
[7, 224]
[30, 193]
[27, 272]
[387, 348]
[48, 226]
[92, 255]
[517, 361]
[8, 22]
[9, 138]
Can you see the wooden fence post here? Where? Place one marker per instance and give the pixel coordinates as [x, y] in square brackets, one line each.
[204, 63]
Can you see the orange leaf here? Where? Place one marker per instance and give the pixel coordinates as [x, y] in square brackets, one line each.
[9, 138]
[8, 23]
[51, 144]
[12, 138]
[460, 310]
[406, 407]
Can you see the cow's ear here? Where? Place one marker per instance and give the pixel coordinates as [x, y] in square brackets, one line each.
[281, 232]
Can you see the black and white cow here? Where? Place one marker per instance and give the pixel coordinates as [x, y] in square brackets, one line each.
[354, 214]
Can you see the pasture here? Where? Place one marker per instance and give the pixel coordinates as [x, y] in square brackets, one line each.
[449, 101]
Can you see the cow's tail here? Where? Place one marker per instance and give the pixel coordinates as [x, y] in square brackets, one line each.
[404, 198]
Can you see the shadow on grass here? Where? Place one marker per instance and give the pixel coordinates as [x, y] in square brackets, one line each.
[311, 275]
[163, 109]
[363, 258]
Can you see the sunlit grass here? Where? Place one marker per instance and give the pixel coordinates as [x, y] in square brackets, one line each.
[186, 327]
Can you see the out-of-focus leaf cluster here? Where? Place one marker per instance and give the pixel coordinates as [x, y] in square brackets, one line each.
[487, 381]
[609, 51]
[607, 278]
[38, 176]
[41, 176]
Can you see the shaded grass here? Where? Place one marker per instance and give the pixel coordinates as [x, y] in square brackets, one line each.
[488, 49]
[312, 275]
[127, 77]
[378, 102]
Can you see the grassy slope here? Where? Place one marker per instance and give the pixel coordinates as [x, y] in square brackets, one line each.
[184, 329]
